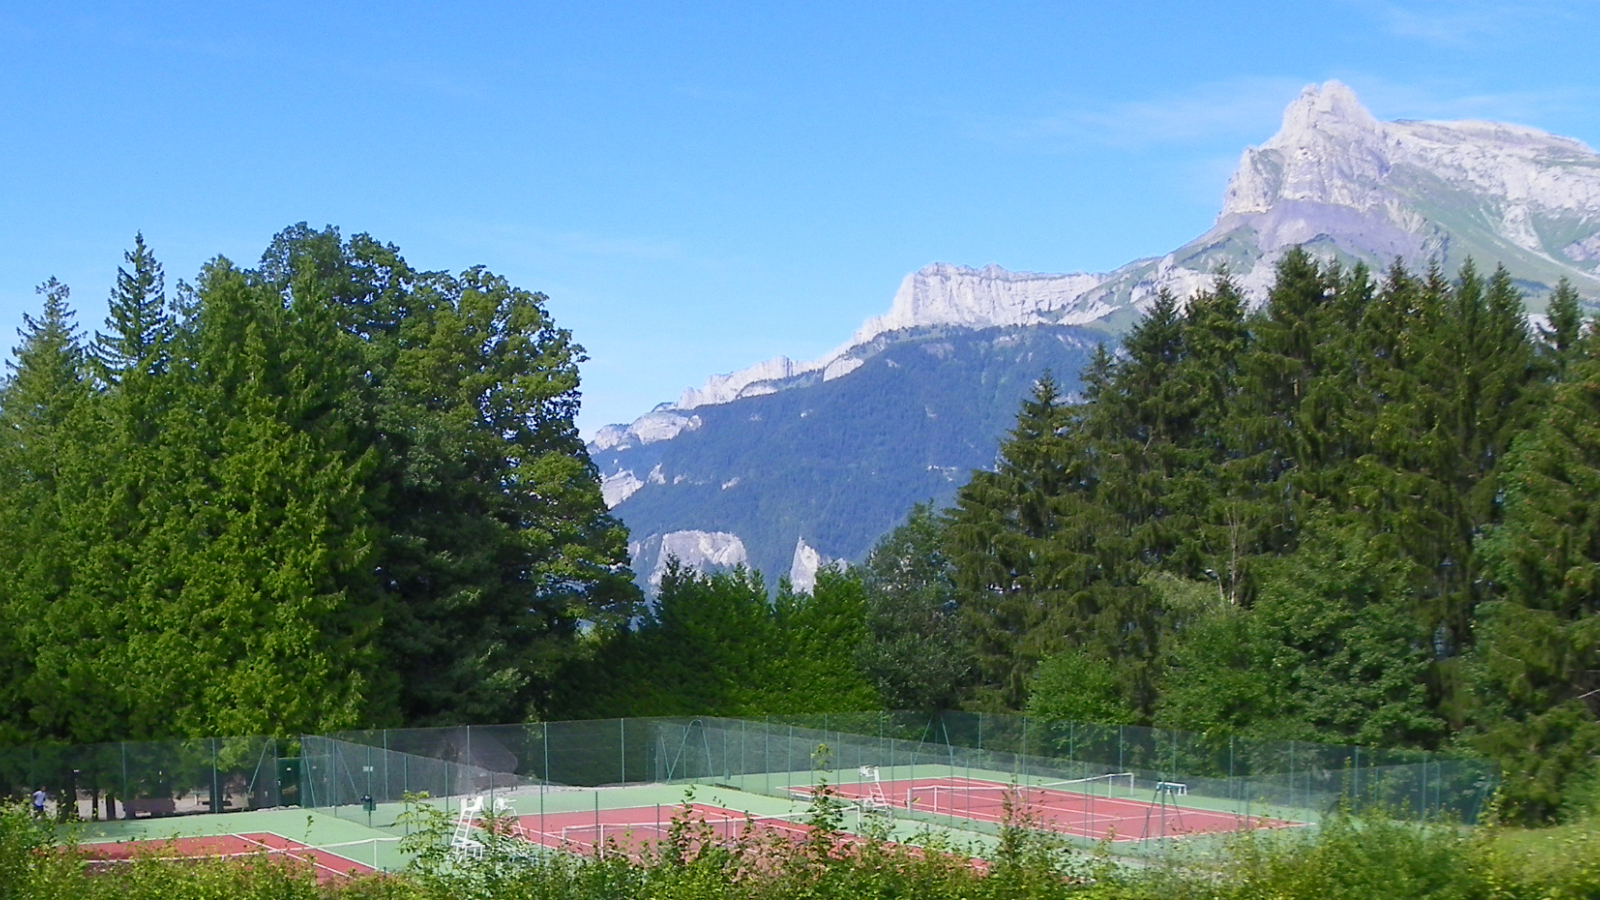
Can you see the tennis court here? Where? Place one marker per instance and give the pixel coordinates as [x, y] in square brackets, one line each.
[637, 831]
[328, 865]
[1097, 808]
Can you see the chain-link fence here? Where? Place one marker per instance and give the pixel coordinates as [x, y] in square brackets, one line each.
[783, 756]
[132, 779]
[1293, 778]
[786, 756]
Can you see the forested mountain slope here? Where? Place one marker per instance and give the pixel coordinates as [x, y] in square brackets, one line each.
[833, 465]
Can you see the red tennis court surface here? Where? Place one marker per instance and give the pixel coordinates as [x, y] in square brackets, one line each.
[257, 845]
[638, 829]
[1082, 815]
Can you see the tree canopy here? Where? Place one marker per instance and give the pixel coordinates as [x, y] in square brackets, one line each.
[327, 491]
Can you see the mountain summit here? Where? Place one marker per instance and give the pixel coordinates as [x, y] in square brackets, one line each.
[1337, 180]
[920, 395]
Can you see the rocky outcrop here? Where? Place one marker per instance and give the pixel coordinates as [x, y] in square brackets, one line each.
[697, 549]
[803, 570]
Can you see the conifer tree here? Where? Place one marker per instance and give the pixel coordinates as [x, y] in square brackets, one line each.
[999, 530]
[266, 546]
[138, 322]
[41, 464]
[1533, 672]
[1565, 315]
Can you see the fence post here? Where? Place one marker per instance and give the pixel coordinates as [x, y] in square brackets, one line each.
[1019, 769]
[1291, 773]
[622, 747]
[216, 802]
[544, 786]
[1424, 785]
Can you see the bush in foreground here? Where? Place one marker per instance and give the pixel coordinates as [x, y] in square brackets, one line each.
[1348, 858]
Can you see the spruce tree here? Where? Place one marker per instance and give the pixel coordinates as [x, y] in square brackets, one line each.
[1532, 673]
[41, 464]
[1000, 540]
[138, 323]
[1565, 315]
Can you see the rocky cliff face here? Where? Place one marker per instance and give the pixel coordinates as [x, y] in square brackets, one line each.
[1333, 179]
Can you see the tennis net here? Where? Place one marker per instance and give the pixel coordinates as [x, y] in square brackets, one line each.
[719, 829]
[987, 798]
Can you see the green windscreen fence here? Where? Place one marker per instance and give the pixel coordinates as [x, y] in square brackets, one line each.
[781, 756]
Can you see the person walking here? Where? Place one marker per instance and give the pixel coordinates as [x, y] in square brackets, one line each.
[38, 803]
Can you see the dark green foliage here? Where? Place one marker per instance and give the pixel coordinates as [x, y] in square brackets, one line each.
[1566, 325]
[1074, 686]
[327, 492]
[1327, 652]
[715, 644]
[1533, 675]
[1271, 524]
[913, 652]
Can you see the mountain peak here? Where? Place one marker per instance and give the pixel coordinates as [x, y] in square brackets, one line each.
[1329, 150]
[1321, 109]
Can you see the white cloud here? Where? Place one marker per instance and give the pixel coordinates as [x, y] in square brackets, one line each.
[1460, 23]
[1446, 99]
[1234, 109]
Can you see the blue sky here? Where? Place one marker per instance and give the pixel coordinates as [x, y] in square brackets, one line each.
[702, 186]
